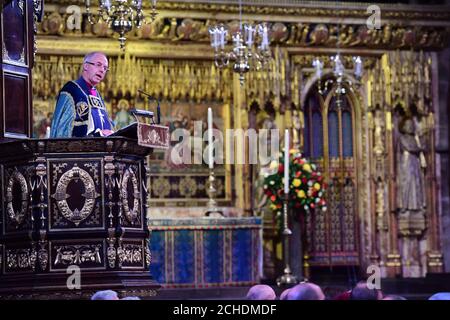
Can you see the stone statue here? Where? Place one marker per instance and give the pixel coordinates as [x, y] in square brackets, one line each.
[411, 200]
[297, 126]
[410, 180]
[379, 142]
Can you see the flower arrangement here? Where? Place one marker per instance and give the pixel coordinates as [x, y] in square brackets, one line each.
[306, 185]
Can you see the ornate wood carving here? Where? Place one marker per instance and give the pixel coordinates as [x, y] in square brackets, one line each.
[61, 194]
[392, 80]
[16, 40]
[75, 194]
[190, 22]
[60, 211]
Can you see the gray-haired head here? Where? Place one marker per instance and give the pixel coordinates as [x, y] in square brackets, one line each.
[131, 298]
[440, 296]
[306, 291]
[261, 292]
[393, 297]
[362, 292]
[105, 295]
[283, 295]
[89, 55]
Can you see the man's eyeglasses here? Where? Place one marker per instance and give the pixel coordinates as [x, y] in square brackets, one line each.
[98, 65]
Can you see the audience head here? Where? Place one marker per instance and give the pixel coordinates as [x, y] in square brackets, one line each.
[440, 296]
[131, 298]
[362, 292]
[283, 295]
[305, 291]
[261, 292]
[343, 296]
[393, 297]
[105, 295]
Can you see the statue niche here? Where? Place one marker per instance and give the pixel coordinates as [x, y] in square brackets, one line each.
[411, 203]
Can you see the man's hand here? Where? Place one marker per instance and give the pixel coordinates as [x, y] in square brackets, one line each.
[106, 132]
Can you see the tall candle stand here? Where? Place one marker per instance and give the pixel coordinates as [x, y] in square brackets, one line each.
[211, 207]
[287, 278]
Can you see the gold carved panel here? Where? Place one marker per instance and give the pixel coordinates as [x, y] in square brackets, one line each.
[88, 255]
[76, 197]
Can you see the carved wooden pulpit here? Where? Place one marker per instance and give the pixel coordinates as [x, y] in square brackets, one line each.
[74, 206]
[72, 211]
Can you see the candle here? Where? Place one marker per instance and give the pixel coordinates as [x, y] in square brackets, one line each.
[223, 37]
[286, 161]
[210, 139]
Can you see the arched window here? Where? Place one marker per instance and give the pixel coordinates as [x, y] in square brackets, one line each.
[313, 131]
[328, 133]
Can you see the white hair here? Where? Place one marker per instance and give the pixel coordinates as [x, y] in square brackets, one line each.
[88, 56]
[440, 296]
[261, 292]
[105, 295]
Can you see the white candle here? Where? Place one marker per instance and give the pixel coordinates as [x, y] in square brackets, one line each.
[210, 139]
[286, 161]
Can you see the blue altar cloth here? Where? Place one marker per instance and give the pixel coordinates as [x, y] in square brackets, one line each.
[206, 252]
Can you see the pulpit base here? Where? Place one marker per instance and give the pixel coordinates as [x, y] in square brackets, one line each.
[73, 218]
[62, 286]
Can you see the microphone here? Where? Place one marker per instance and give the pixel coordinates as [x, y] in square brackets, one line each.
[144, 113]
[152, 98]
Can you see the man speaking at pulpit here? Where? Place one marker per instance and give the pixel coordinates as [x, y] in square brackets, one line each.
[80, 110]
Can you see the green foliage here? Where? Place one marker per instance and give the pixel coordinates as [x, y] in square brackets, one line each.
[306, 185]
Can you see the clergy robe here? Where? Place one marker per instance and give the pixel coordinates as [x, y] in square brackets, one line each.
[80, 111]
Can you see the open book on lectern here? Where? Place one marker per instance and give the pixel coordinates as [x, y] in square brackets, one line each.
[146, 131]
[130, 131]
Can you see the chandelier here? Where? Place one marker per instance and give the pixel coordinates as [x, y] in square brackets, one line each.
[120, 15]
[338, 72]
[250, 46]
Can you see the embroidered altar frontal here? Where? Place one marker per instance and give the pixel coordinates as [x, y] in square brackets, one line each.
[206, 252]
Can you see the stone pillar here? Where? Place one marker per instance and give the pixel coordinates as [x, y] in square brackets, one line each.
[442, 152]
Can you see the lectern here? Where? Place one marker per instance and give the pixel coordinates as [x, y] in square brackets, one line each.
[73, 218]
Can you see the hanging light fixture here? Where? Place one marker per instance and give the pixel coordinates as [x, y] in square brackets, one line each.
[318, 68]
[120, 15]
[338, 73]
[250, 46]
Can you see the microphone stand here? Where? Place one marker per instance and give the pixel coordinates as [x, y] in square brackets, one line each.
[158, 108]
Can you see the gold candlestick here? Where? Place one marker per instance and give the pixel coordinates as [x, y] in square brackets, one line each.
[211, 208]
